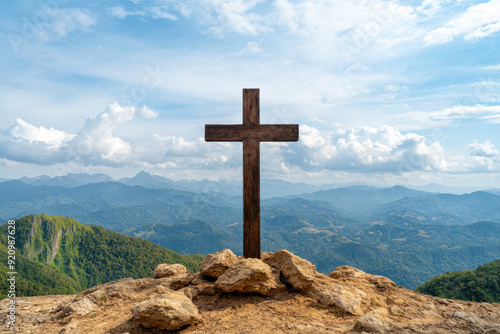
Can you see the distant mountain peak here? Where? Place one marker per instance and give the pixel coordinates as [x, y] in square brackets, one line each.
[68, 181]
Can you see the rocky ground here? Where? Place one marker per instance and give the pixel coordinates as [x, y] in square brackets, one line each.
[281, 293]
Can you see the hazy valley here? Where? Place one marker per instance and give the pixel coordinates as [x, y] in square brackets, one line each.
[405, 234]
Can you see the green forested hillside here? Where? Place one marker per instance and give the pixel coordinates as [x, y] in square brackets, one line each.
[479, 285]
[35, 279]
[73, 256]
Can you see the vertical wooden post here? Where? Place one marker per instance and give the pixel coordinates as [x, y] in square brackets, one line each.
[251, 198]
[251, 177]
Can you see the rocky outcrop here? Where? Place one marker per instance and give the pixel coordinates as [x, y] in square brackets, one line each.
[249, 296]
[346, 274]
[170, 311]
[216, 264]
[345, 298]
[165, 270]
[249, 275]
[81, 307]
[299, 272]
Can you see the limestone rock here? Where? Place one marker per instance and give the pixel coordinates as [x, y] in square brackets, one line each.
[170, 282]
[344, 297]
[179, 281]
[205, 289]
[346, 273]
[170, 311]
[198, 279]
[216, 264]
[371, 323]
[80, 308]
[265, 255]
[473, 319]
[299, 272]
[249, 275]
[277, 276]
[165, 270]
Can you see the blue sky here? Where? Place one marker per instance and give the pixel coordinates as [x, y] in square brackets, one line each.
[385, 92]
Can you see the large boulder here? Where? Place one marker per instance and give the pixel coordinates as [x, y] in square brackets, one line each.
[216, 264]
[170, 311]
[344, 297]
[250, 275]
[165, 270]
[299, 272]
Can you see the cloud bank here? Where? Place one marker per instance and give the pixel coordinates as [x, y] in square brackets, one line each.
[361, 150]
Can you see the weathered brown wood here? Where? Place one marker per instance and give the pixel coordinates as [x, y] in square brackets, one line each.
[251, 106]
[264, 132]
[251, 133]
[251, 198]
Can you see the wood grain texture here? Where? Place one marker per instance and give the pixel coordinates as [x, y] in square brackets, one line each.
[251, 198]
[251, 106]
[263, 132]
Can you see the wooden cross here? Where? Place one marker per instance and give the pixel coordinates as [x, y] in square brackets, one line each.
[251, 133]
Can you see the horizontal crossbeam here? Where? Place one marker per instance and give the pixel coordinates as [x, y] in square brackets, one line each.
[262, 132]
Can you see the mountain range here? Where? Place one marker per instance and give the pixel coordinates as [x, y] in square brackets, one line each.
[407, 235]
[269, 187]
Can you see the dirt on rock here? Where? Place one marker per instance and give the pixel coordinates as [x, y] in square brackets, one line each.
[380, 307]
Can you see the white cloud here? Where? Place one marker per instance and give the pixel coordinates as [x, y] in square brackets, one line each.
[465, 111]
[431, 7]
[477, 22]
[231, 15]
[363, 150]
[60, 23]
[161, 13]
[121, 13]
[196, 154]
[356, 68]
[319, 28]
[345, 29]
[178, 146]
[492, 118]
[485, 149]
[366, 149]
[147, 113]
[24, 142]
[95, 142]
[412, 120]
[485, 157]
[395, 88]
[491, 67]
[155, 12]
[253, 47]
[54, 139]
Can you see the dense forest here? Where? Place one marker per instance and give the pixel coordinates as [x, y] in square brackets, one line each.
[58, 255]
[479, 285]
